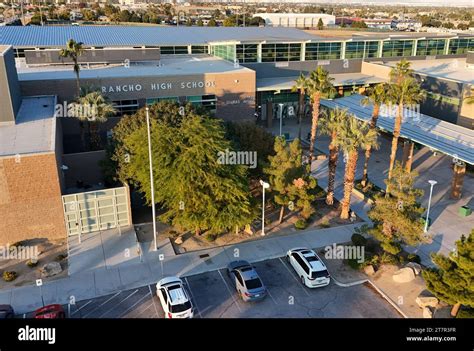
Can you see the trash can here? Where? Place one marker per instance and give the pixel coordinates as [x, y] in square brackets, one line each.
[464, 211]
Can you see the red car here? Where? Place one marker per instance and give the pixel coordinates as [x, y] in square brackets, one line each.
[54, 311]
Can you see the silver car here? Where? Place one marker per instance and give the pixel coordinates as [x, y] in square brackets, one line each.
[248, 284]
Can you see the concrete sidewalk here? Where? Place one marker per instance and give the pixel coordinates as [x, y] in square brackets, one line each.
[103, 281]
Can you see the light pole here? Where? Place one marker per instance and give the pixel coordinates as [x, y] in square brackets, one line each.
[151, 178]
[264, 185]
[281, 118]
[432, 184]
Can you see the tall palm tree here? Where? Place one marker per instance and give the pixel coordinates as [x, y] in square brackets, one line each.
[330, 125]
[318, 85]
[401, 71]
[376, 95]
[353, 135]
[407, 92]
[73, 50]
[300, 85]
[100, 110]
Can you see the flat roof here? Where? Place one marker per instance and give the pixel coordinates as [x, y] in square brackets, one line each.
[168, 66]
[57, 36]
[453, 69]
[340, 79]
[34, 129]
[445, 137]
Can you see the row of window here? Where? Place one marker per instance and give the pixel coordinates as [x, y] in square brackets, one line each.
[281, 52]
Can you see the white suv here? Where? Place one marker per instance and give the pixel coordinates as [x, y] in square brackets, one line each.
[309, 267]
[174, 298]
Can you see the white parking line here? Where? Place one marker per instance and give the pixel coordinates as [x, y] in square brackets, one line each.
[113, 307]
[153, 300]
[80, 308]
[192, 297]
[102, 304]
[228, 289]
[293, 275]
[136, 303]
[269, 294]
[146, 309]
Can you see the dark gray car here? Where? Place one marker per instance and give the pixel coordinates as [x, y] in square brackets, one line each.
[248, 284]
[6, 312]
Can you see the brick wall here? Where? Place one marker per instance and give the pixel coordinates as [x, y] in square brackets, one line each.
[30, 199]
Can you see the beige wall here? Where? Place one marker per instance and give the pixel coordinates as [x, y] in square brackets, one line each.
[30, 199]
[466, 113]
[373, 69]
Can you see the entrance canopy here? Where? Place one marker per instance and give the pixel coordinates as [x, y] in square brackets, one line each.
[445, 137]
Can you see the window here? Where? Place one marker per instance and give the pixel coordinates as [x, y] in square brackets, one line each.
[319, 274]
[281, 52]
[460, 46]
[323, 51]
[355, 49]
[173, 50]
[226, 52]
[151, 101]
[247, 52]
[239, 277]
[395, 48]
[301, 262]
[208, 102]
[199, 49]
[180, 307]
[430, 47]
[371, 48]
[128, 107]
[254, 283]
[163, 293]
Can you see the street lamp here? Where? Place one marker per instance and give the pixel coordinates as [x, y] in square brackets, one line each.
[264, 185]
[151, 178]
[281, 118]
[432, 184]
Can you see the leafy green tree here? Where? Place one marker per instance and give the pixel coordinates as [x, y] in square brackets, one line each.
[397, 216]
[200, 23]
[230, 21]
[196, 190]
[352, 136]
[289, 179]
[376, 95]
[212, 23]
[318, 85]
[320, 24]
[358, 24]
[452, 281]
[247, 136]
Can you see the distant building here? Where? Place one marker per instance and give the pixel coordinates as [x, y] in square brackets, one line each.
[378, 23]
[296, 20]
[409, 25]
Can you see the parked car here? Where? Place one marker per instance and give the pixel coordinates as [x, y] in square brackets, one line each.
[174, 298]
[6, 312]
[248, 284]
[54, 311]
[309, 267]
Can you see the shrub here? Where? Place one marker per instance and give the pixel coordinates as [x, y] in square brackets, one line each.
[60, 257]
[386, 258]
[358, 240]
[414, 258]
[325, 224]
[354, 264]
[9, 276]
[210, 237]
[301, 224]
[32, 263]
[465, 313]
[391, 248]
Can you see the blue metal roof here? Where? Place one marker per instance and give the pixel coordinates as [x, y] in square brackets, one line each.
[55, 36]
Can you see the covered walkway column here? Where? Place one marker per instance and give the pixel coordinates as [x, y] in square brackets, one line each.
[269, 113]
[407, 158]
[459, 170]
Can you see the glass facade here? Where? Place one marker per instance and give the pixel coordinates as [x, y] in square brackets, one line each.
[323, 51]
[199, 49]
[430, 47]
[123, 107]
[151, 101]
[395, 48]
[361, 49]
[206, 101]
[226, 52]
[173, 50]
[247, 53]
[281, 52]
[460, 46]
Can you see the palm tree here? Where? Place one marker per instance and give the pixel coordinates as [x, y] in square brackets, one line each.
[99, 109]
[318, 85]
[376, 95]
[73, 50]
[299, 86]
[330, 125]
[401, 71]
[407, 92]
[353, 135]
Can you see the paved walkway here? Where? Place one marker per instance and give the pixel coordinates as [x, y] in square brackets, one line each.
[104, 280]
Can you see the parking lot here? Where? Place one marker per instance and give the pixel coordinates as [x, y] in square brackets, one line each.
[213, 296]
